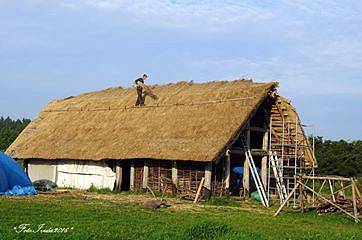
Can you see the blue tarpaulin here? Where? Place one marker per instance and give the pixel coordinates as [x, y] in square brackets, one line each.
[13, 179]
[240, 170]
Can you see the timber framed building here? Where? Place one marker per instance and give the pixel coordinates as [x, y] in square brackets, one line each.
[192, 131]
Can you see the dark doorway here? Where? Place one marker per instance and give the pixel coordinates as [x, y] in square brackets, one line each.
[126, 173]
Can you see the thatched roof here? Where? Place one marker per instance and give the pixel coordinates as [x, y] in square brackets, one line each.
[188, 122]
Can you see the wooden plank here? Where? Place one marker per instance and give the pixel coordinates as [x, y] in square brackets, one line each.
[254, 152]
[326, 177]
[199, 190]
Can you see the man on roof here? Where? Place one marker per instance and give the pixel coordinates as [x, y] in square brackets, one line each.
[143, 90]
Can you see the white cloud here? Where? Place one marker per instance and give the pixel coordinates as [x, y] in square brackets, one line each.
[211, 13]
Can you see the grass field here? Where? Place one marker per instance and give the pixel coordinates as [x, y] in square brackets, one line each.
[118, 216]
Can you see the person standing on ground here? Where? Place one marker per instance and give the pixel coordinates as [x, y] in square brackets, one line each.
[139, 87]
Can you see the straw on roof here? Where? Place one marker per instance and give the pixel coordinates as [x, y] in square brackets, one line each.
[188, 122]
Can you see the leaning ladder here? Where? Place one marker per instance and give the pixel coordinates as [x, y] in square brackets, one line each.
[254, 172]
[278, 177]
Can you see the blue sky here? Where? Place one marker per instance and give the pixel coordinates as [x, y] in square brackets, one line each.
[56, 48]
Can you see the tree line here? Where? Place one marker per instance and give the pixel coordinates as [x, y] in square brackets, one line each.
[334, 157]
[9, 130]
[339, 157]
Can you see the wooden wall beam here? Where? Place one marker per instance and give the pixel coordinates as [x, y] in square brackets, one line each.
[131, 176]
[174, 177]
[264, 161]
[118, 176]
[246, 175]
[145, 174]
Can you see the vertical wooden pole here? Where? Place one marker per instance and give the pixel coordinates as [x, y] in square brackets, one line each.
[342, 192]
[246, 174]
[118, 176]
[227, 172]
[145, 174]
[331, 188]
[131, 176]
[208, 174]
[301, 198]
[174, 177]
[264, 161]
[355, 213]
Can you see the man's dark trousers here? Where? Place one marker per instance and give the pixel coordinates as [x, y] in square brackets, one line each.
[140, 101]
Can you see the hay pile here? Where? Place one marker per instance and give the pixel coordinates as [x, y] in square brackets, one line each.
[188, 122]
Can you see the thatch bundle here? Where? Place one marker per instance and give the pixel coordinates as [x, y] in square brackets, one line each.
[188, 122]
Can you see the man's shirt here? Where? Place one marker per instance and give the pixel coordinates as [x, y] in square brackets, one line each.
[139, 80]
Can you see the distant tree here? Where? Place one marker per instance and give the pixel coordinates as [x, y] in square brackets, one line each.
[334, 157]
[339, 157]
[9, 130]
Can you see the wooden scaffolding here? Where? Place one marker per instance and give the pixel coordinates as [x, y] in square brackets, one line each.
[287, 140]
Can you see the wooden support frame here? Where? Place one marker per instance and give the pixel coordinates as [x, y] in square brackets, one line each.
[355, 213]
[301, 185]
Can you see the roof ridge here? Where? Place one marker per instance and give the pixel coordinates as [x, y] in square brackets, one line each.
[150, 106]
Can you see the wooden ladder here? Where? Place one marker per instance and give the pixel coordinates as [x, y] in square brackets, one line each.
[254, 173]
[282, 192]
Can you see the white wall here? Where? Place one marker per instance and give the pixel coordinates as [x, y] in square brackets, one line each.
[73, 173]
[84, 174]
[42, 170]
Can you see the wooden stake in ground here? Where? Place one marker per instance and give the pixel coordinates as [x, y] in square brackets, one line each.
[354, 200]
[199, 189]
[286, 200]
[154, 196]
[301, 198]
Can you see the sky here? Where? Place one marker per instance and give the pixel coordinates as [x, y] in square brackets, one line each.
[51, 49]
